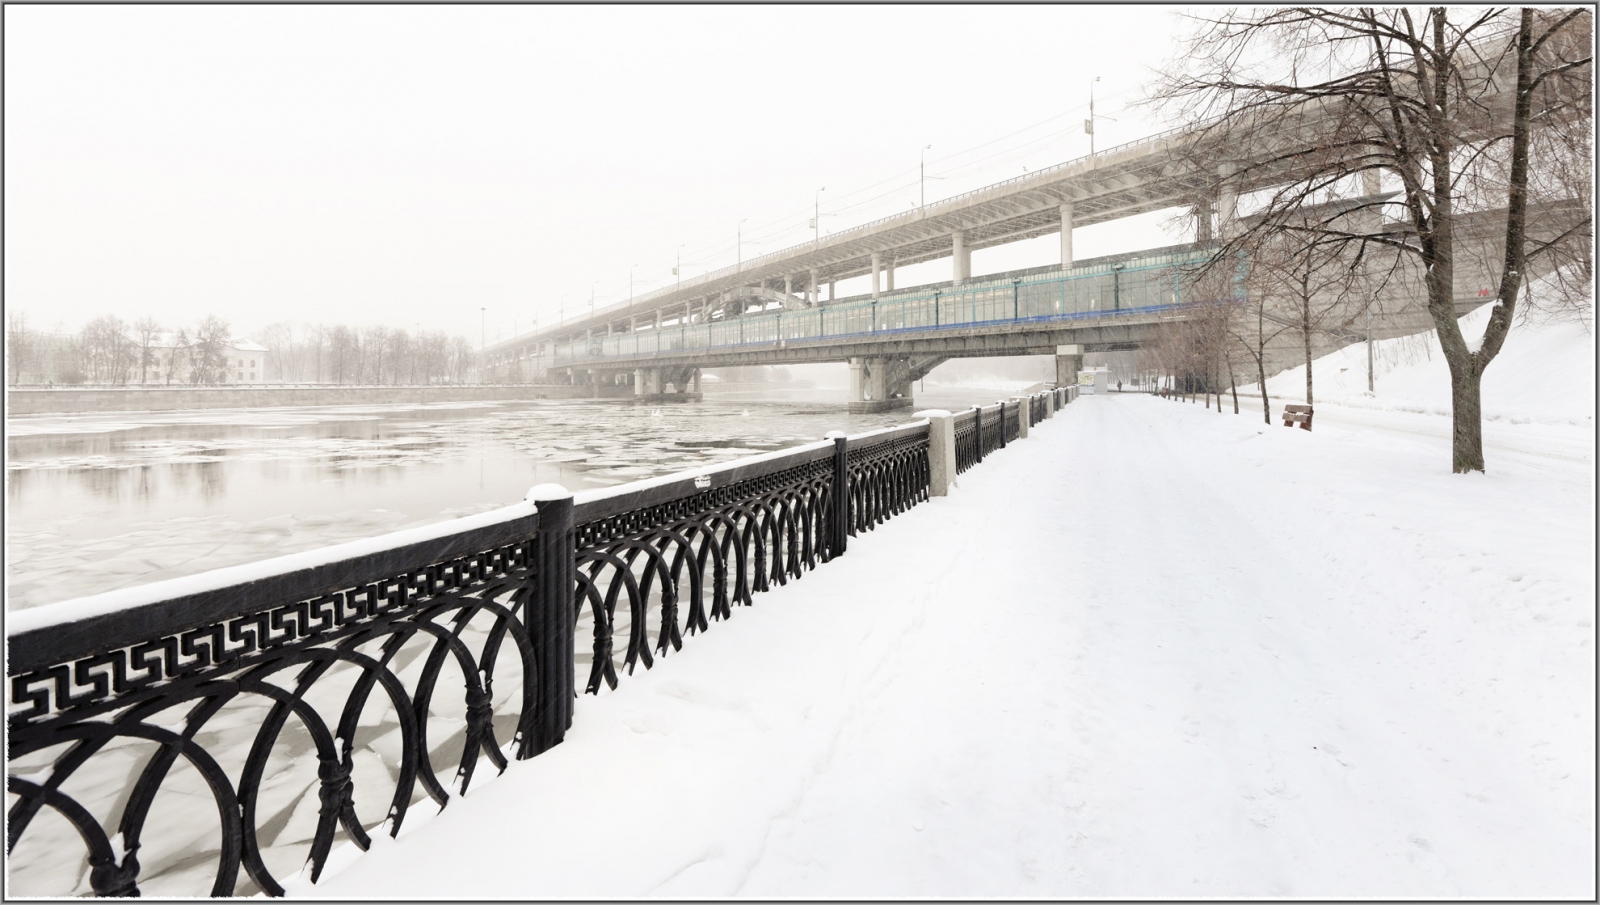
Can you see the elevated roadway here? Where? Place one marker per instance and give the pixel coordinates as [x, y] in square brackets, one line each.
[781, 307]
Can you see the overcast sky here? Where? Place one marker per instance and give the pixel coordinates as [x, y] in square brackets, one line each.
[411, 165]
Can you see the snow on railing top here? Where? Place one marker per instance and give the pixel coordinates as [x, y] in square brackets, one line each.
[61, 612]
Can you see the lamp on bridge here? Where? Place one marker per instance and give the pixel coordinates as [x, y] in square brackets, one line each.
[922, 177]
[816, 215]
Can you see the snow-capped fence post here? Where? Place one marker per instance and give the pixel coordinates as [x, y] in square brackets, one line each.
[549, 617]
[1024, 415]
[941, 451]
[839, 514]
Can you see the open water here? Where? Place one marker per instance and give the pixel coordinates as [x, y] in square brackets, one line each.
[104, 501]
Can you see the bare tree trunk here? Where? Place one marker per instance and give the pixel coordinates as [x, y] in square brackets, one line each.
[1233, 386]
[1261, 381]
[1466, 402]
[1305, 334]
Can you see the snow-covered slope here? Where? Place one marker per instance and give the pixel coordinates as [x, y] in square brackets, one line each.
[1545, 373]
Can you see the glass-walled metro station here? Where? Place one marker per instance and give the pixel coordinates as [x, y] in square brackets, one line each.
[1125, 286]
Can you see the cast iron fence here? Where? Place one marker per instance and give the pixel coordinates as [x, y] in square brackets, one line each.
[969, 444]
[281, 703]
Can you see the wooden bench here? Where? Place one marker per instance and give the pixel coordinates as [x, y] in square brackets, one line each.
[1297, 414]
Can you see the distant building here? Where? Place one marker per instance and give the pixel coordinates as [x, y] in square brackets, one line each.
[172, 361]
[247, 361]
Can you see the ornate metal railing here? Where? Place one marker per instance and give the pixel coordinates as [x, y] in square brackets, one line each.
[1013, 421]
[320, 695]
[888, 475]
[991, 436]
[297, 704]
[647, 551]
[969, 446]
[1037, 409]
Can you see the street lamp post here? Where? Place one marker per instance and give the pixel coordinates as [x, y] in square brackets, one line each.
[922, 176]
[816, 215]
[1088, 124]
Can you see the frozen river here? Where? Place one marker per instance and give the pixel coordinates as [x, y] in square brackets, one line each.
[104, 501]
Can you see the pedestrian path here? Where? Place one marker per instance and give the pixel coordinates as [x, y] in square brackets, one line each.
[1150, 651]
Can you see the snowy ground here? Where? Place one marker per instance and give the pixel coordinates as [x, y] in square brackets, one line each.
[1543, 375]
[1151, 651]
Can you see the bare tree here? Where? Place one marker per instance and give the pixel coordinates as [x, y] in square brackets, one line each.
[180, 356]
[209, 351]
[106, 352]
[282, 350]
[145, 331]
[462, 359]
[22, 346]
[1454, 109]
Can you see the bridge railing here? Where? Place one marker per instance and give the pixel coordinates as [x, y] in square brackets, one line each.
[217, 734]
[1134, 286]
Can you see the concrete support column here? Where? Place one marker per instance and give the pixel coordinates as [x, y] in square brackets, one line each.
[879, 384]
[658, 319]
[1371, 185]
[813, 290]
[831, 296]
[1069, 361]
[961, 258]
[877, 265]
[638, 381]
[1022, 415]
[694, 381]
[893, 263]
[788, 289]
[1066, 236]
[1202, 222]
[1227, 200]
[941, 451]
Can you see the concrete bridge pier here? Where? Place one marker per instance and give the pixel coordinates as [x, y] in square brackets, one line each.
[884, 384]
[650, 385]
[961, 258]
[1069, 361]
[1066, 236]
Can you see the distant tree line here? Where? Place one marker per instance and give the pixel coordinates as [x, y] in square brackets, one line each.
[375, 355]
[110, 351]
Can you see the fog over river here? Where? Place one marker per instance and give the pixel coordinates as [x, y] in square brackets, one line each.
[111, 500]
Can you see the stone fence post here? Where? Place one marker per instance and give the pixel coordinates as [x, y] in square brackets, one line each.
[941, 451]
[1023, 402]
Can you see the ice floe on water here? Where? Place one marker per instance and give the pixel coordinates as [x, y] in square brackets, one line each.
[104, 501]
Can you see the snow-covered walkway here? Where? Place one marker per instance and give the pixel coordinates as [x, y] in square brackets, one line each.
[1151, 651]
